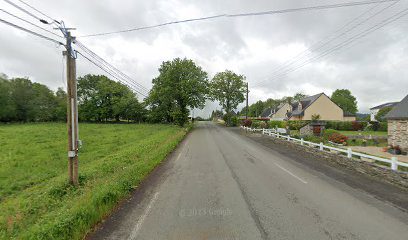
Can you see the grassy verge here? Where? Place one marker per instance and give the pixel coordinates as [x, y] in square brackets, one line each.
[363, 133]
[35, 200]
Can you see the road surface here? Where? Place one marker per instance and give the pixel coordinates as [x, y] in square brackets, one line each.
[221, 185]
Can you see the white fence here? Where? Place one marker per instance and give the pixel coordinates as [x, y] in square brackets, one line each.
[272, 132]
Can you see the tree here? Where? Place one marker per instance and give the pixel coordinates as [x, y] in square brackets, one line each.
[7, 106]
[298, 97]
[345, 100]
[102, 99]
[61, 109]
[228, 89]
[381, 113]
[181, 84]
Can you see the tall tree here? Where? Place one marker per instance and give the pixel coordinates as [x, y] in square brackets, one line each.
[181, 84]
[228, 88]
[345, 100]
[298, 96]
[102, 99]
[7, 106]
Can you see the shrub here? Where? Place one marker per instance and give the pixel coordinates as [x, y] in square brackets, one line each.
[357, 126]
[279, 124]
[256, 124]
[337, 138]
[247, 123]
[383, 126]
[234, 121]
[314, 139]
[263, 125]
[340, 125]
[328, 133]
[296, 125]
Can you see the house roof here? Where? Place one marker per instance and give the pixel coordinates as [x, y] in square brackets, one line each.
[400, 111]
[389, 104]
[305, 102]
[266, 113]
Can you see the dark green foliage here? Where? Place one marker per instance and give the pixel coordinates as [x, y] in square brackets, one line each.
[296, 125]
[228, 89]
[24, 101]
[381, 114]
[345, 100]
[340, 125]
[181, 84]
[102, 99]
[277, 124]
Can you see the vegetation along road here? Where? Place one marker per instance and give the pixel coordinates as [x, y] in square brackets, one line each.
[221, 185]
[36, 201]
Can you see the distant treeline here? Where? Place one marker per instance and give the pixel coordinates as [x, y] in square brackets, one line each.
[99, 99]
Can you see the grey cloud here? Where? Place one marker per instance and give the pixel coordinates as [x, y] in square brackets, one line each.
[373, 67]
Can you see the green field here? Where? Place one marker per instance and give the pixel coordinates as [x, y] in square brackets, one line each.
[364, 133]
[35, 200]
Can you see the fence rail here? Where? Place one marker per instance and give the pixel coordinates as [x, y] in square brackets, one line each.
[350, 153]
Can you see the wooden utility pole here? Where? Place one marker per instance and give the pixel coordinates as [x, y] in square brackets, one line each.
[72, 113]
[247, 91]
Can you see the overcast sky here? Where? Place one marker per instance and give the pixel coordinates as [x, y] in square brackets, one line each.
[373, 67]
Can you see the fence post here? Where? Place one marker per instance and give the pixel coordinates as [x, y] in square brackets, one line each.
[349, 153]
[321, 146]
[394, 164]
[301, 141]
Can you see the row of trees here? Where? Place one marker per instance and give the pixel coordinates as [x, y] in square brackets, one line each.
[180, 86]
[342, 97]
[99, 99]
[22, 100]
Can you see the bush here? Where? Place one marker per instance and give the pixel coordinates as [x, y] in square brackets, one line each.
[263, 125]
[247, 123]
[373, 126]
[338, 138]
[383, 126]
[357, 126]
[277, 124]
[234, 121]
[256, 124]
[314, 139]
[328, 133]
[296, 125]
[340, 125]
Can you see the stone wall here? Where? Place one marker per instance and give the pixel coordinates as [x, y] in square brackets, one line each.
[398, 133]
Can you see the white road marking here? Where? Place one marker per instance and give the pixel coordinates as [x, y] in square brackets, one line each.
[293, 175]
[136, 230]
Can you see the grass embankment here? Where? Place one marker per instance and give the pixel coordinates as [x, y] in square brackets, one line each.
[35, 200]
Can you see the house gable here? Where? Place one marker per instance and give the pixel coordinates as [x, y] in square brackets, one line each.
[280, 114]
[324, 107]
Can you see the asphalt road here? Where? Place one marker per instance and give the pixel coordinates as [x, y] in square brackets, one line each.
[220, 185]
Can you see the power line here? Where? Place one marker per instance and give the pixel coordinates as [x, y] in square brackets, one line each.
[31, 32]
[100, 59]
[32, 24]
[319, 7]
[322, 44]
[112, 74]
[22, 9]
[38, 11]
[117, 72]
[383, 23]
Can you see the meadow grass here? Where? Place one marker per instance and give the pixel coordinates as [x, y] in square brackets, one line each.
[35, 200]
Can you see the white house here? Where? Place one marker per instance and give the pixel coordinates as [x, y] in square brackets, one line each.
[374, 110]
